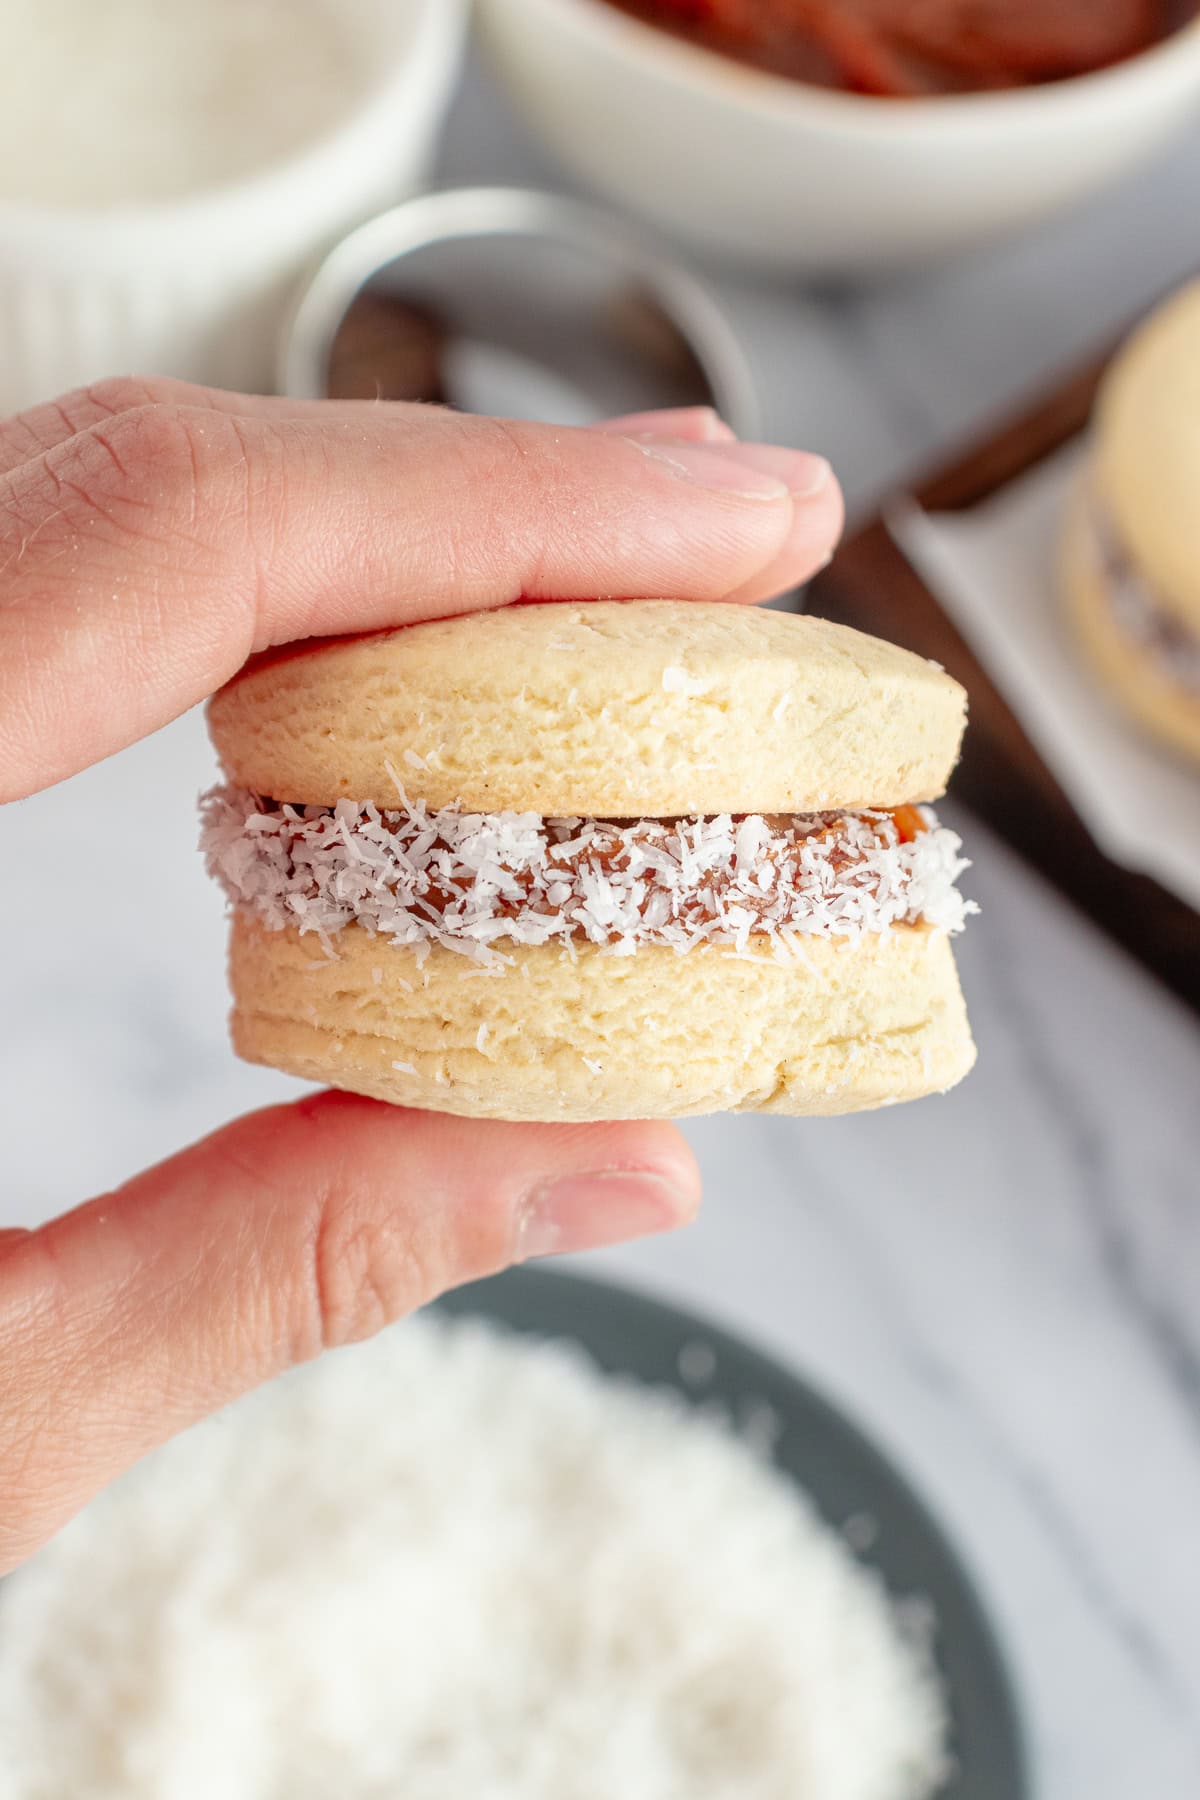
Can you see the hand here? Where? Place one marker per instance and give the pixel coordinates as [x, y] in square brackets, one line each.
[152, 537]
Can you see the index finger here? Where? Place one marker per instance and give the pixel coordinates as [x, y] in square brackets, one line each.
[143, 559]
[43, 427]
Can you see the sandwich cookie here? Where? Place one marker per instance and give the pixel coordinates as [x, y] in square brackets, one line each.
[595, 861]
[1131, 546]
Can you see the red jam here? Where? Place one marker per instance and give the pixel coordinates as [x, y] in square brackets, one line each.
[899, 48]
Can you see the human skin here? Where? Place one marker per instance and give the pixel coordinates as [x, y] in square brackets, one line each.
[153, 536]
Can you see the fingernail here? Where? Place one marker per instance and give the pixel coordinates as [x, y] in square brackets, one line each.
[584, 1212]
[753, 471]
[801, 473]
[720, 470]
[700, 424]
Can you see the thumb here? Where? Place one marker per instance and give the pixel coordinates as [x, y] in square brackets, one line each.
[290, 1232]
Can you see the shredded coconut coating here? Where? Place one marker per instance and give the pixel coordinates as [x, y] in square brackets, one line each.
[471, 881]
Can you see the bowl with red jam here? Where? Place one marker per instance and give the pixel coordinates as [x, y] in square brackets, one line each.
[842, 135]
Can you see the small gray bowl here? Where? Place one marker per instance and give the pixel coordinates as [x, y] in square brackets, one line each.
[515, 302]
[846, 1476]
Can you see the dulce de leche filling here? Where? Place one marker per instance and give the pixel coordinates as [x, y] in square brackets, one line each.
[1136, 609]
[478, 882]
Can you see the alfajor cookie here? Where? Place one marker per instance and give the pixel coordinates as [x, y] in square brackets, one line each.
[1131, 544]
[589, 861]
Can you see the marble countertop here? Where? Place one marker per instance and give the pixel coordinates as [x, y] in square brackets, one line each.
[1003, 1285]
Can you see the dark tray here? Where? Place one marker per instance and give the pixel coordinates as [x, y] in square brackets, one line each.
[871, 585]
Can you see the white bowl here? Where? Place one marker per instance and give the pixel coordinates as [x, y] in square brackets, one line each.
[197, 287]
[790, 176]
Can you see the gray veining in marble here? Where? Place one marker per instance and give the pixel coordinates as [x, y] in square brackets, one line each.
[1004, 1285]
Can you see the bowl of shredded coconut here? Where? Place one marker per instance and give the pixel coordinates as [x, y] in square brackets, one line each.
[549, 1541]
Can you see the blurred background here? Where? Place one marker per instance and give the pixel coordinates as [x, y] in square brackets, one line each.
[1000, 1286]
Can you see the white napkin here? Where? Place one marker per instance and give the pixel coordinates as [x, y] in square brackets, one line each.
[993, 570]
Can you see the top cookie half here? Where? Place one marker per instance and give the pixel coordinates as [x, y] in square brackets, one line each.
[608, 709]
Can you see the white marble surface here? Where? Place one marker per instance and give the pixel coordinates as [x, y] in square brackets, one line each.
[1004, 1285]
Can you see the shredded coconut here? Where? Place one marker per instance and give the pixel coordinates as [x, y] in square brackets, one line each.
[449, 1564]
[475, 881]
[676, 680]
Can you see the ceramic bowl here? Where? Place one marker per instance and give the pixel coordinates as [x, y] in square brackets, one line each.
[195, 287]
[780, 174]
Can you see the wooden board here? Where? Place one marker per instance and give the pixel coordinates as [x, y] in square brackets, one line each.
[870, 584]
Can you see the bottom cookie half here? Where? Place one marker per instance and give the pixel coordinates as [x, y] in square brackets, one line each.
[844, 1027]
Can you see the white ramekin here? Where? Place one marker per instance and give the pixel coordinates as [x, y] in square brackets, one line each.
[801, 178]
[196, 288]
